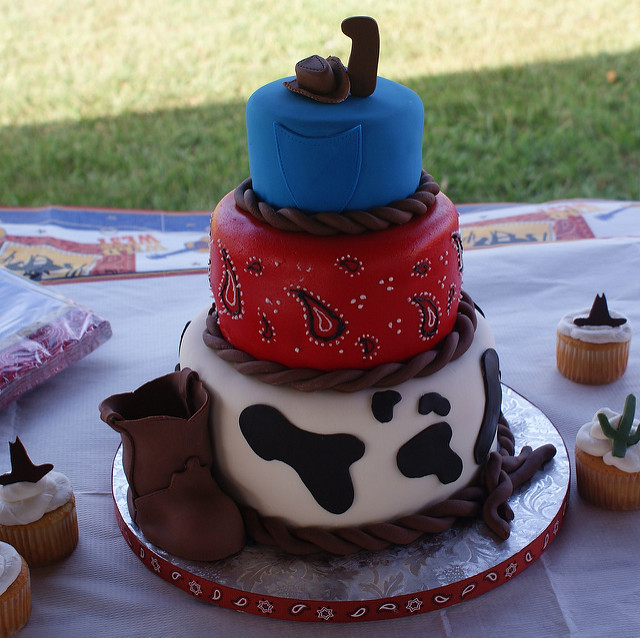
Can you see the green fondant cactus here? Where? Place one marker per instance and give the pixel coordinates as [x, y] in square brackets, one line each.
[620, 435]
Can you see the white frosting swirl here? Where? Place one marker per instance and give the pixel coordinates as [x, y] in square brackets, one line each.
[594, 334]
[24, 502]
[10, 566]
[592, 440]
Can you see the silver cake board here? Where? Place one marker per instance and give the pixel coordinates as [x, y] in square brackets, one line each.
[433, 572]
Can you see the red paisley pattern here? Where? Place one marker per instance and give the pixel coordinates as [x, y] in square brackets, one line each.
[396, 291]
[229, 289]
[323, 323]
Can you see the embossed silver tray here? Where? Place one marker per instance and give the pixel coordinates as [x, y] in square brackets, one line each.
[431, 573]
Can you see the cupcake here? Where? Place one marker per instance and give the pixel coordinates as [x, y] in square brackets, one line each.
[608, 459]
[593, 346]
[15, 591]
[37, 510]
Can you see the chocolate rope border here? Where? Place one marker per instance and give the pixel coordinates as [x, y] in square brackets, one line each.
[351, 222]
[385, 375]
[502, 473]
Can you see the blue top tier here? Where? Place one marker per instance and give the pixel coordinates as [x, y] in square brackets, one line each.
[357, 154]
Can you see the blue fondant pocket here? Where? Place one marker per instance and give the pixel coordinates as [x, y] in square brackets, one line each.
[321, 173]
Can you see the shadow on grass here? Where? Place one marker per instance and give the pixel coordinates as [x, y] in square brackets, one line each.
[533, 133]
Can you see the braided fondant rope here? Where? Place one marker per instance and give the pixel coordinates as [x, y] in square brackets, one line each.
[385, 375]
[351, 222]
[502, 473]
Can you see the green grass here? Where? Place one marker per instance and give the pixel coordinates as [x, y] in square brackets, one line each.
[141, 105]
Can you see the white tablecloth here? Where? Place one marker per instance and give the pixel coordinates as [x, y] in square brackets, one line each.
[586, 584]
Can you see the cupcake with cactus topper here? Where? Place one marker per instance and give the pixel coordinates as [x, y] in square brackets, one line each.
[593, 345]
[37, 510]
[607, 457]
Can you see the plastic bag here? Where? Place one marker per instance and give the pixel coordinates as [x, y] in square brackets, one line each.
[41, 333]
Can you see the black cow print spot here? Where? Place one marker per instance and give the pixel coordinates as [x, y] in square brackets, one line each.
[434, 402]
[382, 404]
[428, 452]
[322, 461]
[493, 401]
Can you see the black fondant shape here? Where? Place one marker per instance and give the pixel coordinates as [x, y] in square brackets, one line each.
[599, 315]
[434, 402]
[382, 404]
[428, 452]
[184, 330]
[493, 400]
[322, 461]
[22, 468]
[324, 324]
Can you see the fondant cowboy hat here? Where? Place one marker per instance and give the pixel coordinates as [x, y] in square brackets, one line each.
[323, 80]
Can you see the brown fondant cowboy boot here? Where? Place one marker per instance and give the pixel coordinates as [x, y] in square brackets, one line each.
[167, 459]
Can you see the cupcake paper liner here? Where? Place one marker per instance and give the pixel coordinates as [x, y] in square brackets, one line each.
[46, 540]
[591, 363]
[604, 485]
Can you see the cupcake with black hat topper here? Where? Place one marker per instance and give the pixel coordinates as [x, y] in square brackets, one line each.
[593, 345]
[37, 510]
